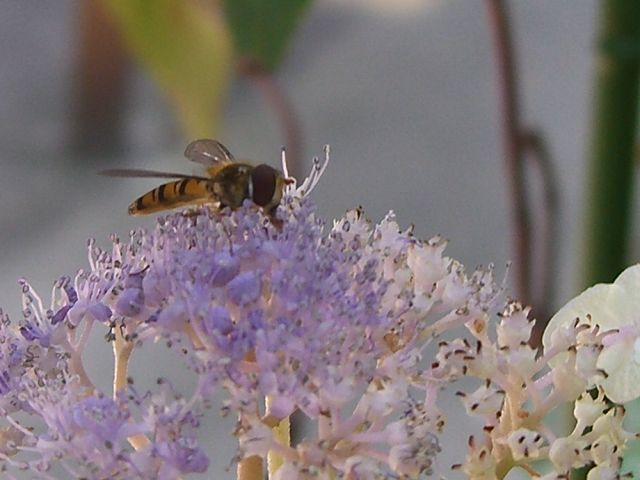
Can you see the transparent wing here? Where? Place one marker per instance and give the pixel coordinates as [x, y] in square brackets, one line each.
[208, 152]
[139, 173]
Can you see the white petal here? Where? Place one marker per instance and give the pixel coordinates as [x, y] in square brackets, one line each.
[620, 362]
[610, 306]
[603, 303]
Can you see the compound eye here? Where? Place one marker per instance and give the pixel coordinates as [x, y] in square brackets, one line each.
[263, 178]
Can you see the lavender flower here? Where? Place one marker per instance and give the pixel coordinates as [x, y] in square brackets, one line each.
[332, 322]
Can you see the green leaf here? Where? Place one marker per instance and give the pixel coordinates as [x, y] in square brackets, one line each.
[261, 28]
[186, 47]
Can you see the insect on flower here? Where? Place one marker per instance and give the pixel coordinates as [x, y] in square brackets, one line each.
[228, 182]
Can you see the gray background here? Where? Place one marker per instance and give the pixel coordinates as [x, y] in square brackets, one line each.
[405, 95]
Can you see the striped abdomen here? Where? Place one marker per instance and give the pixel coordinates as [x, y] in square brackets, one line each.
[180, 193]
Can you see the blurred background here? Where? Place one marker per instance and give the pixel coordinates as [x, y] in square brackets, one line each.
[408, 93]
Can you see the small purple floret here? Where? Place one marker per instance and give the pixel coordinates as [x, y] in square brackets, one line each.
[245, 288]
[130, 302]
[60, 315]
[218, 319]
[100, 312]
[225, 268]
[5, 383]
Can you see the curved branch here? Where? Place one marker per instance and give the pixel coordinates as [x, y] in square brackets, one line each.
[511, 128]
[544, 286]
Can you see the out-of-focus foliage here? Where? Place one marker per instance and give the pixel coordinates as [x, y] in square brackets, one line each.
[185, 45]
[610, 181]
[262, 29]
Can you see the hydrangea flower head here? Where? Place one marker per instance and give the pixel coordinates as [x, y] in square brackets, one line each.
[334, 322]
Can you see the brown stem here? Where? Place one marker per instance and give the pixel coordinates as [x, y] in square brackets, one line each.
[511, 128]
[282, 109]
[544, 287]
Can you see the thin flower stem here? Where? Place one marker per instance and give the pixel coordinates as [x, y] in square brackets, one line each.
[504, 466]
[449, 321]
[282, 109]
[530, 470]
[194, 336]
[122, 350]
[282, 435]
[121, 353]
[511, 128]
[78, 368]
[250, 468]
[84, 337]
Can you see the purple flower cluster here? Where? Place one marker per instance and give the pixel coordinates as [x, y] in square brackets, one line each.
[330, 322]
[315, 321]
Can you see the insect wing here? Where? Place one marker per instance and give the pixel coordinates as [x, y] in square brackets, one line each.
[139, 173]
[208, 152]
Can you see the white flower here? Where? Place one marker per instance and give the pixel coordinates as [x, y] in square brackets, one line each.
[567, 453]
[525, 443]
[612, 307]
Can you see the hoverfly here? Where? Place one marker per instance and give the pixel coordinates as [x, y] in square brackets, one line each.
[228, 182]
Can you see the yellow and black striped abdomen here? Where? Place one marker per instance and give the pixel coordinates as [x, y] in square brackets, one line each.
[180, 193]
